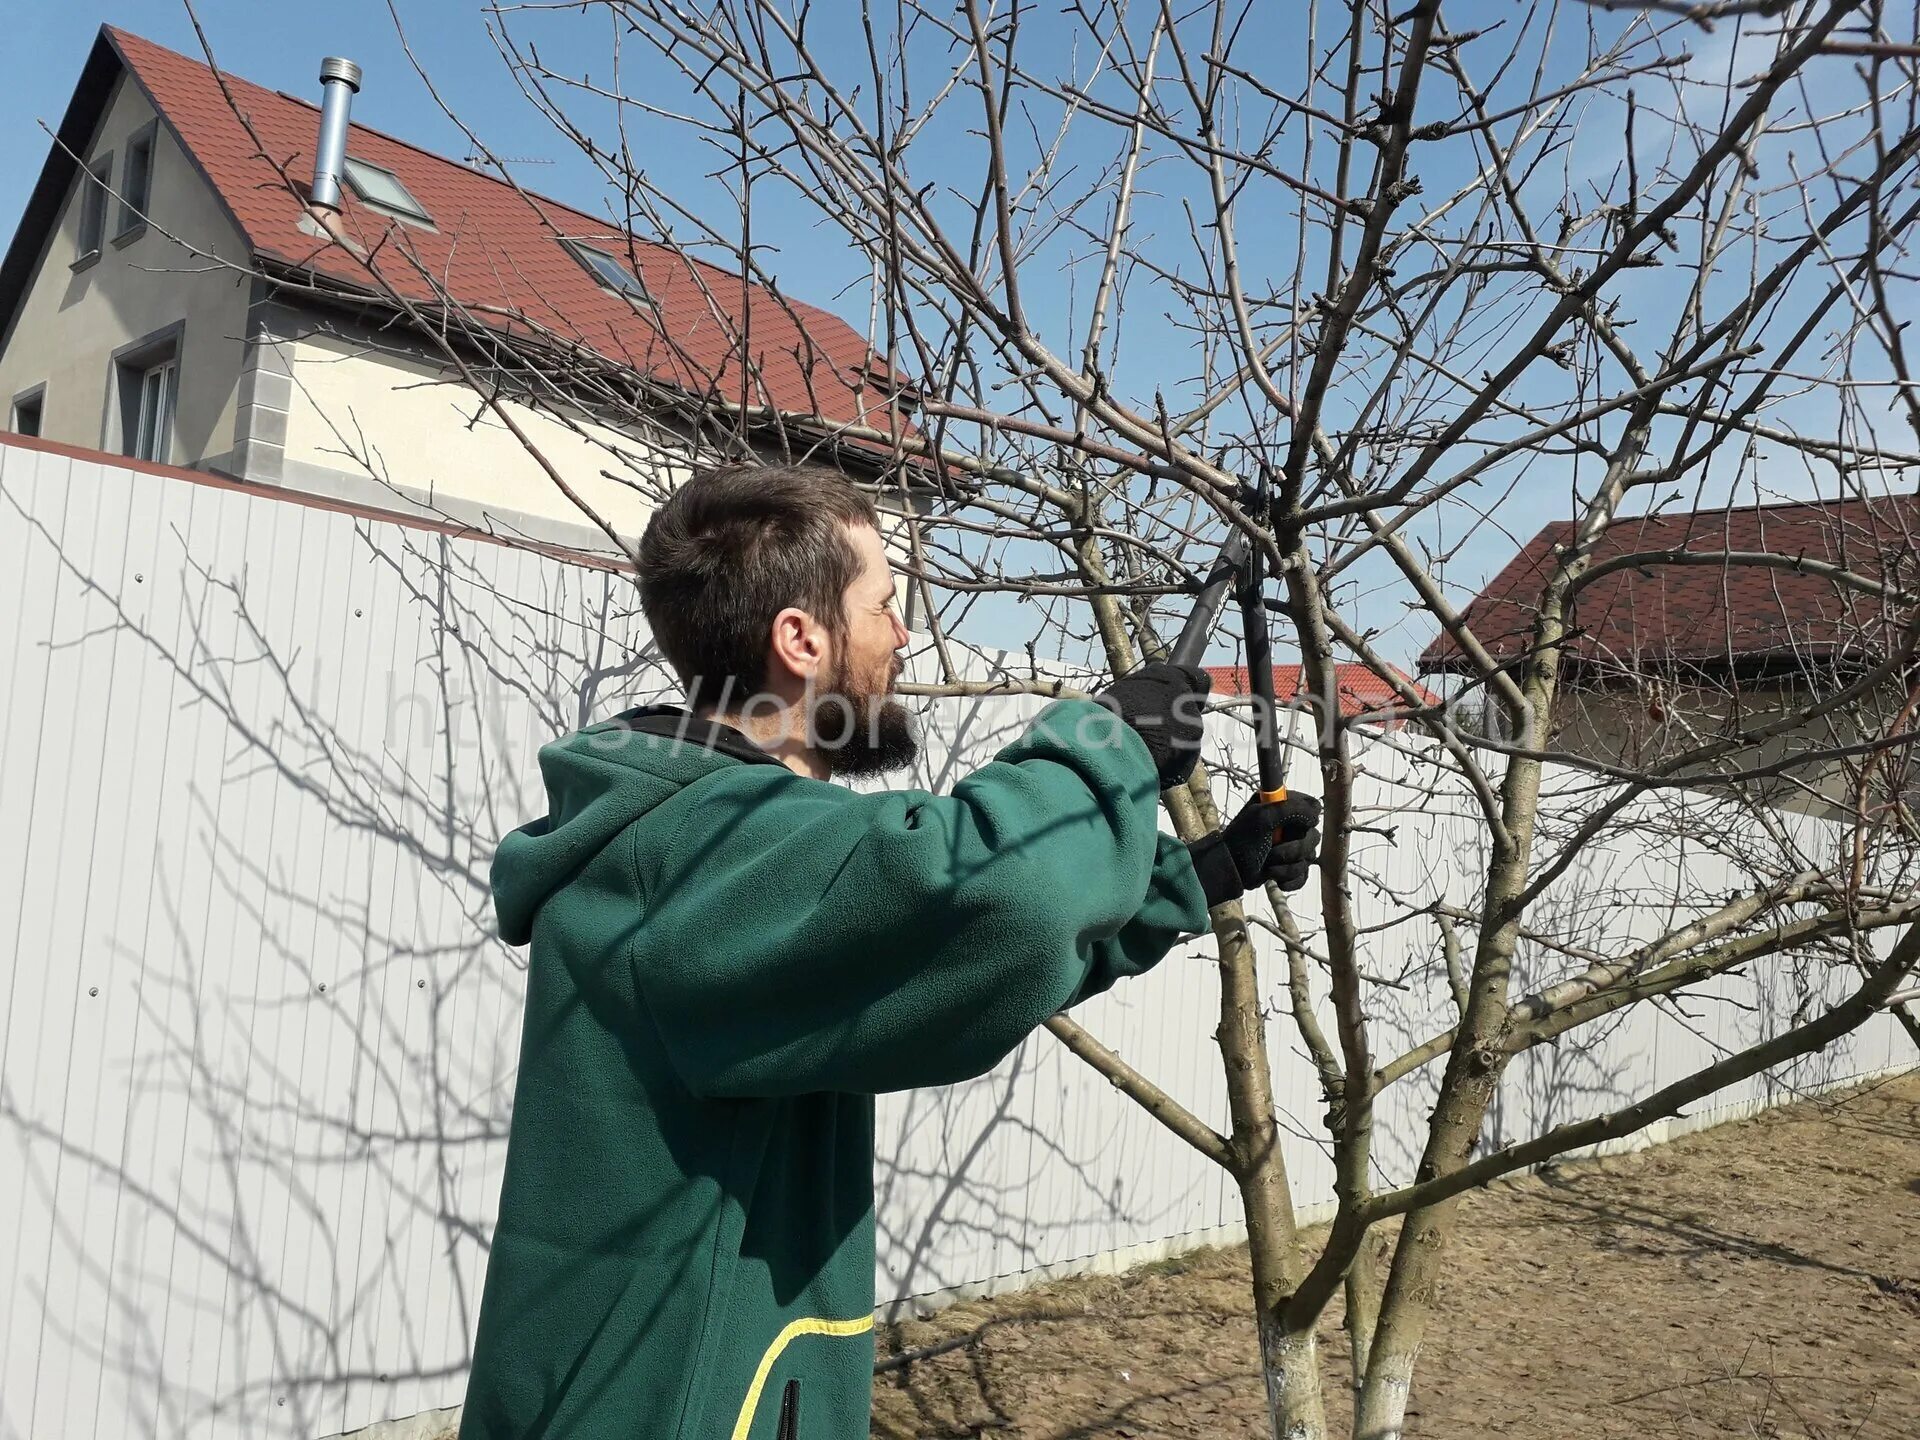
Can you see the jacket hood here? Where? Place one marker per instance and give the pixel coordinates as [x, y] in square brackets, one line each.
[599, 781]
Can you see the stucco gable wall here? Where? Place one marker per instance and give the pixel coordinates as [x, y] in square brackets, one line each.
[185, 267]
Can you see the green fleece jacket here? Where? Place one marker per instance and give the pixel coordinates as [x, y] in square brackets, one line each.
[728, 962]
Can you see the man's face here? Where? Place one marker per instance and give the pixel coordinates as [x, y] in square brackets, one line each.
[854, 722]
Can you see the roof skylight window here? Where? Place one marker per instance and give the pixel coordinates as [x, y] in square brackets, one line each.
[608, 270]
[383, 191]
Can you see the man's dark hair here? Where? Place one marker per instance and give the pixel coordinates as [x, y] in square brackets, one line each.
[732, 548]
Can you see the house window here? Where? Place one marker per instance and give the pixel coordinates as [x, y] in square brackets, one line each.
[136, 180]
[153, 411]
[26, 411]
[609, 271]
[383, 191]
[147, 383]
[93, 207]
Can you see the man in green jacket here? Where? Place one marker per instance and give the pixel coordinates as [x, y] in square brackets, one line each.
[730, 956]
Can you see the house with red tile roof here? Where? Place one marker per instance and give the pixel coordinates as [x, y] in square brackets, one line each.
[178, 290]
[1681, 636]
[1669, 614]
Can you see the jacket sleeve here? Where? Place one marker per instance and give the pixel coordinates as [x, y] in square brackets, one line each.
[1167, 915]
[800, 937]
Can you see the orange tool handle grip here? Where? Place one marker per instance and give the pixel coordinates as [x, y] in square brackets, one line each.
[1273, 797]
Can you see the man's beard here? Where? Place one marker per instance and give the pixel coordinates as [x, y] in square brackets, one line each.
[860, 731]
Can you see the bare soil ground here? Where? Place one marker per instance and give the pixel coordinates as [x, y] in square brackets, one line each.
[1761, 1279]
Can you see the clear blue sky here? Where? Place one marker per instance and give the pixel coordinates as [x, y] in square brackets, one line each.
[279, 44]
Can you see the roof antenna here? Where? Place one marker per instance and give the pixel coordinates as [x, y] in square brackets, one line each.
[500, 162]
[339, 81]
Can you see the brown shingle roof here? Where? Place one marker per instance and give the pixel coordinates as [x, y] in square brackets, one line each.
[496, 250]
[1709, 616]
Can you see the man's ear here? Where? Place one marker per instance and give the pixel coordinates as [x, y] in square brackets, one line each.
[796, 646]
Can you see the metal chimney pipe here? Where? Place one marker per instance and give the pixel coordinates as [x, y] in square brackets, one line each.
[339, 81]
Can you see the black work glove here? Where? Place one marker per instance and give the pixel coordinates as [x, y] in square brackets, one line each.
[1154, 701]
[1247, 853]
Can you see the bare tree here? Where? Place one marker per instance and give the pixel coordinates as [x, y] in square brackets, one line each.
[1399, 292]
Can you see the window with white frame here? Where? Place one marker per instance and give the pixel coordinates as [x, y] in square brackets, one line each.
[383, 190]
[136, 179]
[153, 426]
[93, 206]
[147, 382]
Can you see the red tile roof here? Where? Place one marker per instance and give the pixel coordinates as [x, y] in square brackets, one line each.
[496, 250]
[1363, 694]
[1709, 616]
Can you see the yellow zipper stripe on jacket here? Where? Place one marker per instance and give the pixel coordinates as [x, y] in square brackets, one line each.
[807, 1325]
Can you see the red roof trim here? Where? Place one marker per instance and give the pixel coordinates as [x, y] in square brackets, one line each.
[1363, 694]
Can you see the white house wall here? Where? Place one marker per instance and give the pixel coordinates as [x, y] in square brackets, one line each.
[374, 425]
[257, 1040]
[187, 266]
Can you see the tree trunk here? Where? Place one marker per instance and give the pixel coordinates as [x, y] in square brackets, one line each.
[1363, 1309]
[1290, 1364]
[1381, 1408]
[1289, 1358]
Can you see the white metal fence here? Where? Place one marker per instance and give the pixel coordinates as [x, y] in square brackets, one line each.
[259, 1042]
